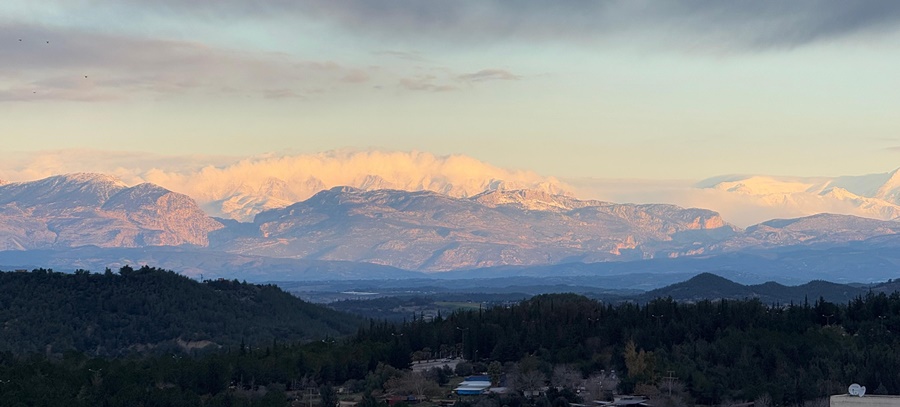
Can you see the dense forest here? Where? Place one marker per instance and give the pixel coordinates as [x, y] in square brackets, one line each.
[148, 309]
[708, 352]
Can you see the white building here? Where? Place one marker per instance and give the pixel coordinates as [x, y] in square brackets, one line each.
[868, 400]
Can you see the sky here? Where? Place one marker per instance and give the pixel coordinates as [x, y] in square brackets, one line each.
[619, 90]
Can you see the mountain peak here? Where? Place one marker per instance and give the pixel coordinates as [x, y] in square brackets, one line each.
[703, 286]
[828, 221]
[64, 191]
[531, 199]
[95, 209]
[709, 279]
[245, 188]
[890, 190]
[89, 177]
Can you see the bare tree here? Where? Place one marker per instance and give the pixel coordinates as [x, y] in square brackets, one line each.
[412, 384]
[601, 386]
[566, 376]
[764, 400]
[528, 382]
[647, 390]
[673, 394]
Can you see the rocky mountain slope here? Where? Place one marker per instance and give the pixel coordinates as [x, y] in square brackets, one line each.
[434, 232]
[421, 231]
[93, 209]
[816, 229]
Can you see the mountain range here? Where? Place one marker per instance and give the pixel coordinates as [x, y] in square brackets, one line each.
[94, 209]
[708, 286]
[874, 196]
[349, 232]
[428, 231]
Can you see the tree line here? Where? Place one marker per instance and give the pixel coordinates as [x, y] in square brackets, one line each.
[136, 310]
[708, 352]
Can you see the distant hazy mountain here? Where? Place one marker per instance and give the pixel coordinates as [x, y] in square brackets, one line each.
[349, 233]
[810, 230]
[196, 262]
[93, 209]
[868, 261]
[874, 196]
[430, 231]
[708, 286]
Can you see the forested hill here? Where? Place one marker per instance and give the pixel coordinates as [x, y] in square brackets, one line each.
[148, 309]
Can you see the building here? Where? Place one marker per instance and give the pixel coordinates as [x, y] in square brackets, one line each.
[473, 385]
[866, 400]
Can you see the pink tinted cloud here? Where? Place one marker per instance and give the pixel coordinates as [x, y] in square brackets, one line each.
[427, 83]
[489, 75]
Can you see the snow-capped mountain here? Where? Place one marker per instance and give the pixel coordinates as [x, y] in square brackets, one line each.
[811, 230]
[241, 190]
[874, 196]
[94, 209]
[430, 231]
[419, 230]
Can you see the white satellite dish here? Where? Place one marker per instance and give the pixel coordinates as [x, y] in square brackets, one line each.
[857, 390]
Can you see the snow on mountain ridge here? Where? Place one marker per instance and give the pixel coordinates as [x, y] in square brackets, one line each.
[762, 185]
[530, 199]
[425, 230]
[890, 189]
[95, 209]
[235, 191]
[873, 196]
[60, 191]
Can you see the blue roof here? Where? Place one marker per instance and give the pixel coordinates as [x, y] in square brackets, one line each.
[469, 391]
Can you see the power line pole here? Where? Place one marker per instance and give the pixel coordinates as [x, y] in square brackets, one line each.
[670, 379]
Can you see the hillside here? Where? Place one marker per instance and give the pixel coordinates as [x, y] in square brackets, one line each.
[91, 221]
[708, 286]
[427, 231]
[149, 309]
[94, 209]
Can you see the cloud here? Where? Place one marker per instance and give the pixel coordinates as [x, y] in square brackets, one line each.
[405, 55]
[129, 166]
[709, 25]
[241, 186]
[222, 184]
[444, 79]
[91, 66]
[489, 75]
[356, 76]
[758, 199]
[426, 83]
